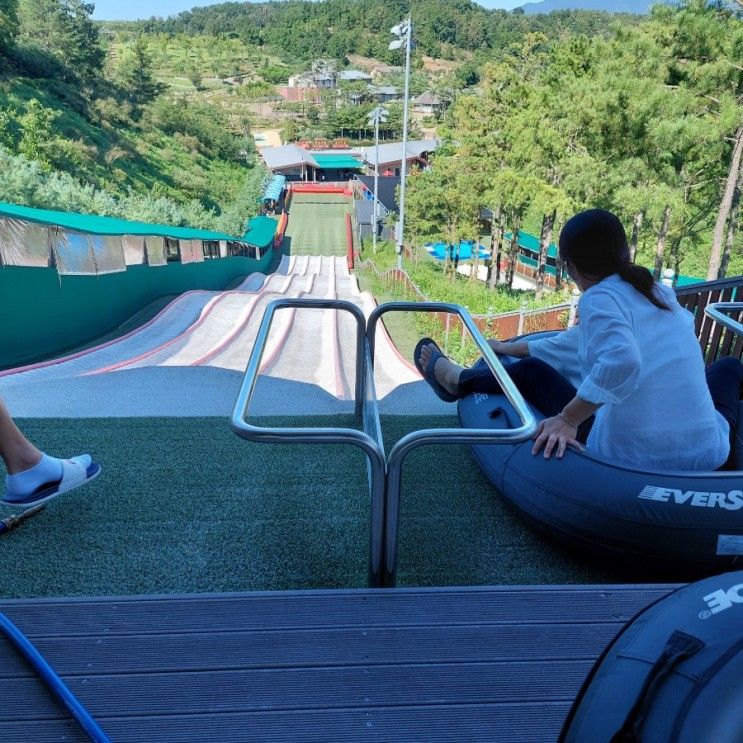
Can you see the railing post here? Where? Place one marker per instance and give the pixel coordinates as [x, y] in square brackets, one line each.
[573, 307]
[522, 313]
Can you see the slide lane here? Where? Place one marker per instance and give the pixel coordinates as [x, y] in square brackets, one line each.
[234, 350]
[218, 311]
[306, 352]
[173, 319]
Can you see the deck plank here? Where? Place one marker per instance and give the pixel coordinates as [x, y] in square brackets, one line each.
[402, 664]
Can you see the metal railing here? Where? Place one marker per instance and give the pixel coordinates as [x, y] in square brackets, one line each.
[426, 437]
[366, 405]
[720, 312]
[384, 474]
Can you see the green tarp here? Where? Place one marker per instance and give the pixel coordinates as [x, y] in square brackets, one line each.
[531, 243]
[260, 231]
[340, 162]
[96, 225]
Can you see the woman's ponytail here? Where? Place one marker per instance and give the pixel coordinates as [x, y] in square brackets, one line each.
[642, 280]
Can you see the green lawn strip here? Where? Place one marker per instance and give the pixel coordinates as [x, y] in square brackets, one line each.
[317, 229]
[183, 505]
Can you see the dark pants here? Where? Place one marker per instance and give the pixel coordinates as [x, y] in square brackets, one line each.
[549, 392]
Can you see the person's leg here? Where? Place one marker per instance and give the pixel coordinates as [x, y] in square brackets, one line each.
[16, 450]
[724, 379]
[541, 385]
[33, 476]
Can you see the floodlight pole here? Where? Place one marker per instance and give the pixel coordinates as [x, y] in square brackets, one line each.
[405, 31]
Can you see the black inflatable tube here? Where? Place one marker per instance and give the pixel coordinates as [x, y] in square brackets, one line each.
[692, 519]
[674, 672]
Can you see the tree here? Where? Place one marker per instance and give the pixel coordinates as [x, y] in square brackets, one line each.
[65, 29]
[8, 25]
[732, 226]
[716, 271]
[36, 126]
[135, 73]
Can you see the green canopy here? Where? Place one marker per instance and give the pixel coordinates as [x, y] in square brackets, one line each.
[96, 225]
[531, 243]
[687, 280]
[339, 162]
[260, 231]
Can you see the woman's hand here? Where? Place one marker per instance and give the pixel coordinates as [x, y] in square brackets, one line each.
[555, 432]
[519, 349]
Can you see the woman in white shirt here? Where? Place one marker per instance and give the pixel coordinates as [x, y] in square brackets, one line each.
[638, 394]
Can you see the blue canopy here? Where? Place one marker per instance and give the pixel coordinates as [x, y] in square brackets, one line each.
[274, 188]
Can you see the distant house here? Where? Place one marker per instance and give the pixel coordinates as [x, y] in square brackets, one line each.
[383, 93]
[354, 76]
[428, 103]
[297, 95]
[380, 94]
[327, 79]
[320, 80]
[391, 155]
[384, 70]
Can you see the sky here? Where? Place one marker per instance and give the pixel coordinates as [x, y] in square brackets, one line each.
[130, 10]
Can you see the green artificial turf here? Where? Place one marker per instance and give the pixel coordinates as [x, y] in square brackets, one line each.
[317, 228]
[183, 505]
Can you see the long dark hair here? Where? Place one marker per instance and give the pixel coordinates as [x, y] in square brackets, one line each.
[595, 242]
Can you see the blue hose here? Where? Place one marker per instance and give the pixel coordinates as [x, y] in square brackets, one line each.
[53, 682]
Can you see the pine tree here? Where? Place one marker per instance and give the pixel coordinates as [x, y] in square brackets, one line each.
[8, 25]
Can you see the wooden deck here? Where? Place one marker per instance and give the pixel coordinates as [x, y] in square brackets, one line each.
[454, 664]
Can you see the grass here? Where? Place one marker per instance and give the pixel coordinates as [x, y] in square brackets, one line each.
[183, 505]
[317, 228]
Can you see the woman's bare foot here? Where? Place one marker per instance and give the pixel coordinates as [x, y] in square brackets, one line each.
[445, 371]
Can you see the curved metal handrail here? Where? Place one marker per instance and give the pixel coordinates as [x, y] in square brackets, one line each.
[331, 435]
[717, 311]
[441, 435]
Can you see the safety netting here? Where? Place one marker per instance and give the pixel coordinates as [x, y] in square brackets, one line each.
[191, 251]
[76, 253]
[156, 251]
[134, 250]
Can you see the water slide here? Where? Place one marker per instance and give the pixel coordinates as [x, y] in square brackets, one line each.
[189, 360]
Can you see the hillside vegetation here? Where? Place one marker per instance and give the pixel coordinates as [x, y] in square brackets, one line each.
[82, 132]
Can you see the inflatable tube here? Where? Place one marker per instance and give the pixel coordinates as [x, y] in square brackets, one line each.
[688, 520]
[674, 673]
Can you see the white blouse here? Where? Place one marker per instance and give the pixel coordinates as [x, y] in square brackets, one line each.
[643, 365]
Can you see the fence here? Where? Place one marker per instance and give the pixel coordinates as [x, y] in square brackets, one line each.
[716, 341]
[501, 325]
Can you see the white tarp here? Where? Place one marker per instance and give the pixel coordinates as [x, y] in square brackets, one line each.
[108, 253]
[191, 251]
[134, 253]
[24, 243]
[78, 254]
[223, 249]
[73, 254]
[156, 251]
